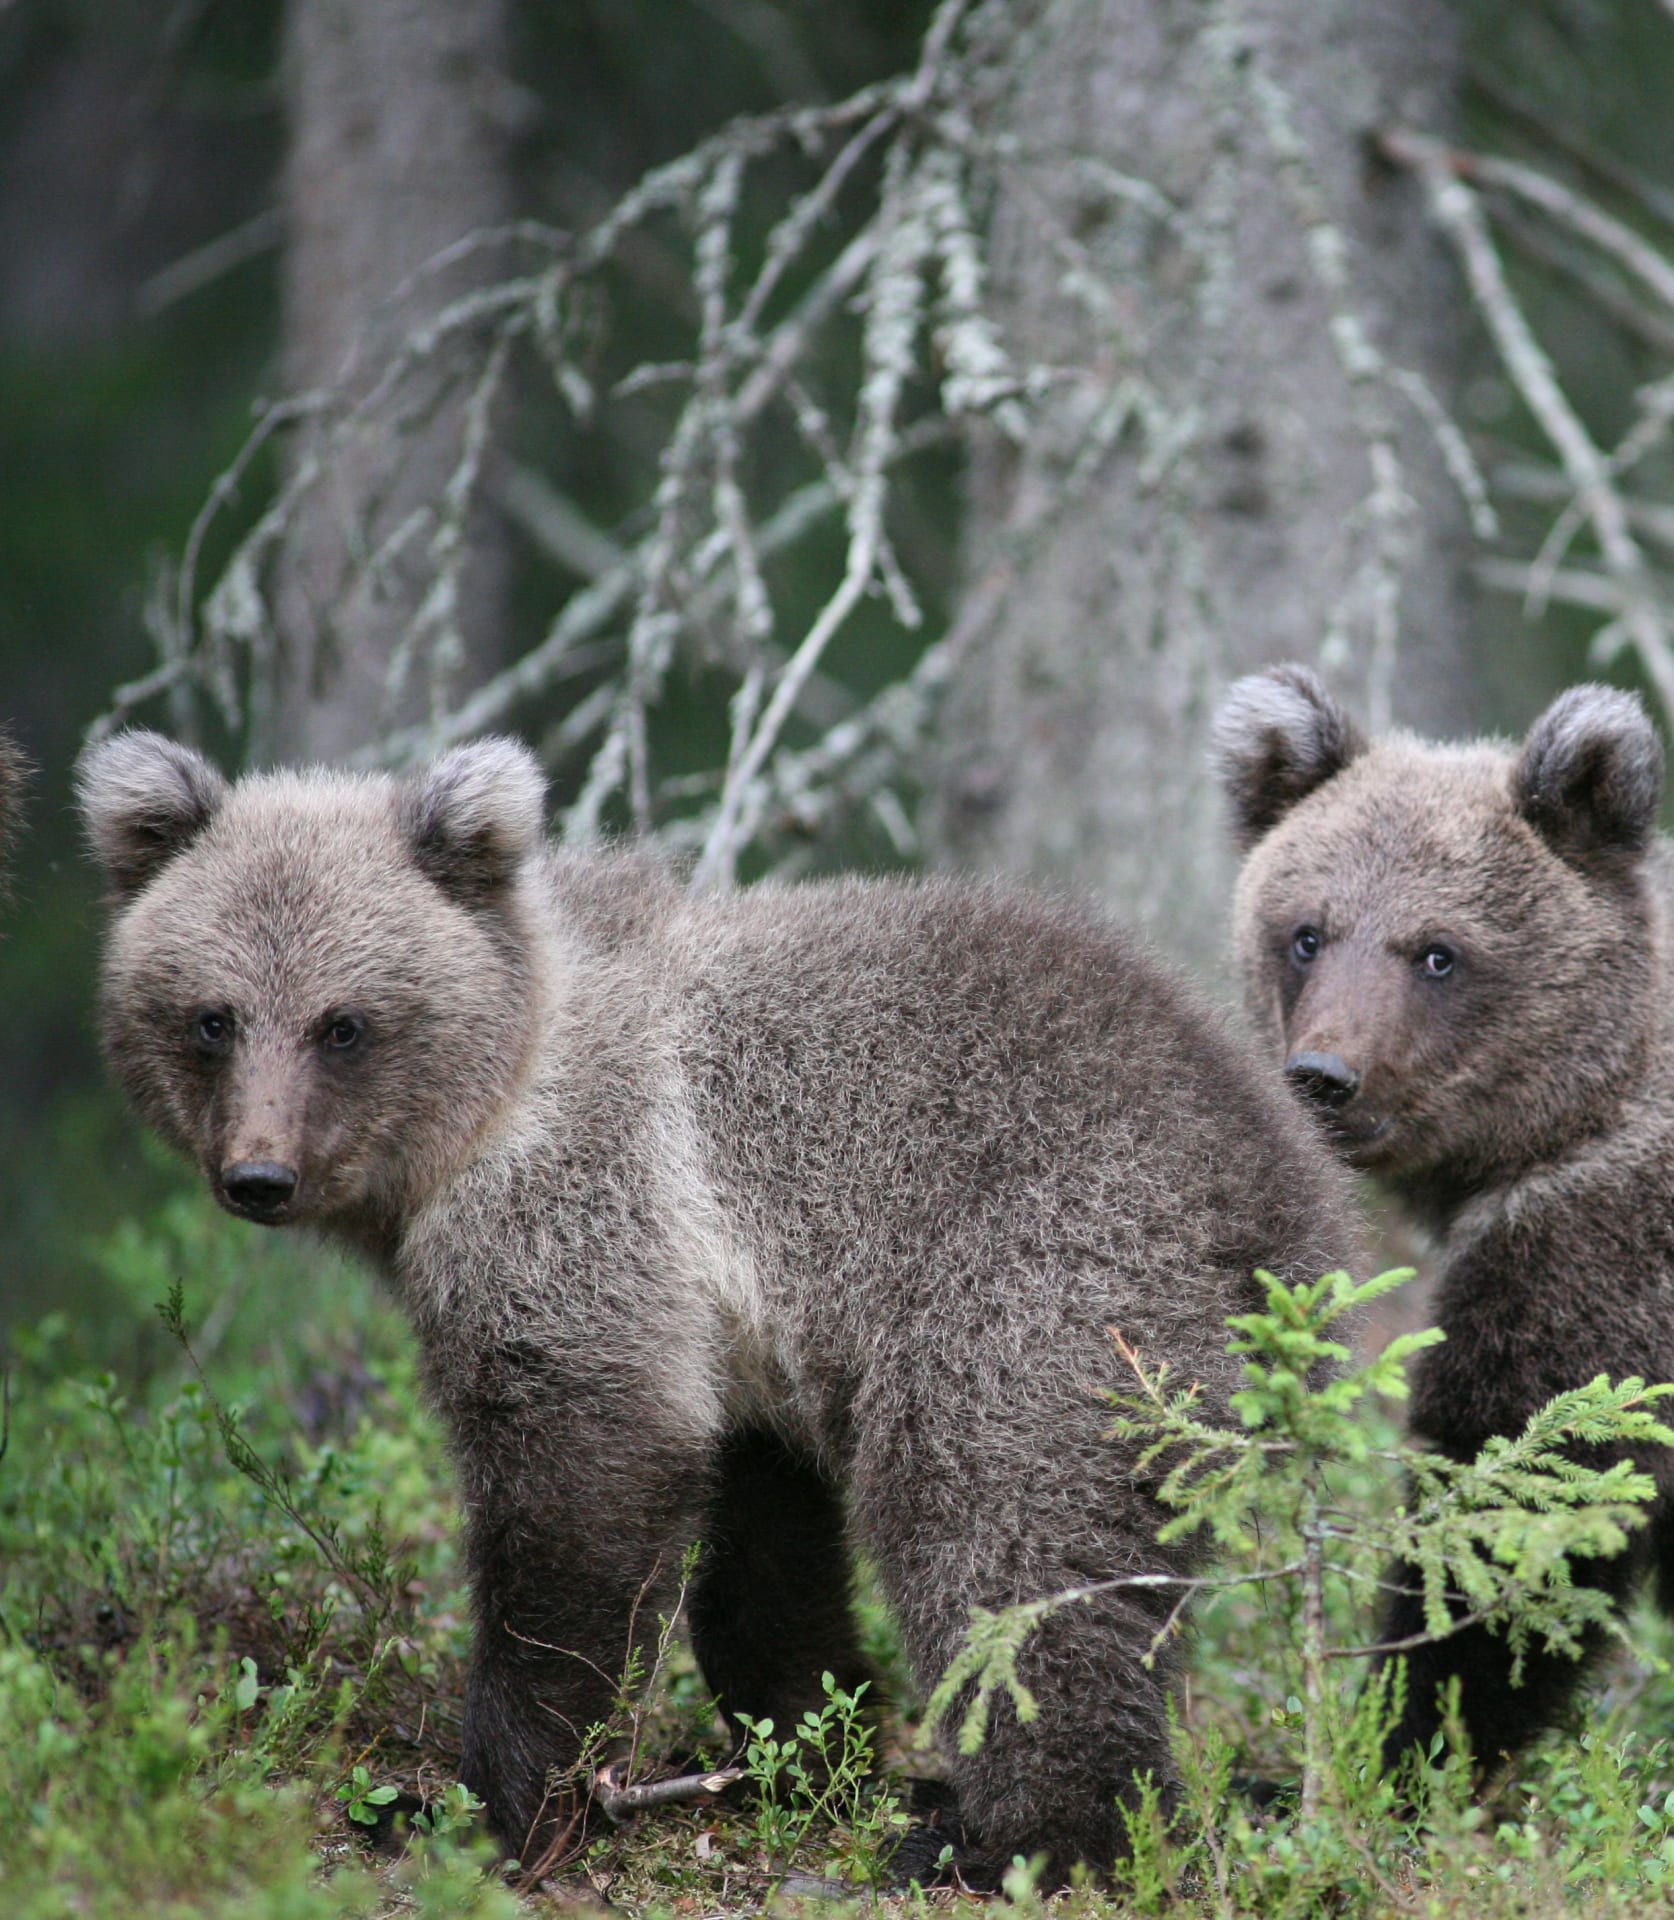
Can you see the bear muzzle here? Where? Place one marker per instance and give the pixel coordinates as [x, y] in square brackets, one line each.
[259, 1190]
[1333, 1091]
[1323, 1079]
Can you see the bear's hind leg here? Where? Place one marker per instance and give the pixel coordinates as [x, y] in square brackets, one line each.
[770, 1604]
[1058, 1784]
[968, 1506]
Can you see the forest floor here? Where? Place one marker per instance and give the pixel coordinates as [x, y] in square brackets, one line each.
[232, 1643]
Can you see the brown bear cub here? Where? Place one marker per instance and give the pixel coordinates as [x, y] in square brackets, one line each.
[791, 1221]
[1461, 954]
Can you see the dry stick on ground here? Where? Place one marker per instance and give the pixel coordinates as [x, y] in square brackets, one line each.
[620, 1802]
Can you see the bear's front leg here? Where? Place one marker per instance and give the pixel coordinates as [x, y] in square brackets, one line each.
[1500, 1717]
[576, 1529]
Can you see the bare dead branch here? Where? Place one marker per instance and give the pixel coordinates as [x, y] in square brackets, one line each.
[620, 1802]
[1458, 211]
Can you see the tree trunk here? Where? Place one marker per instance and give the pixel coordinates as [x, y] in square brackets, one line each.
[397, 150]
[1196, 222]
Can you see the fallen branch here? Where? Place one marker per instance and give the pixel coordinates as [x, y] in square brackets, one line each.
[620, 1802]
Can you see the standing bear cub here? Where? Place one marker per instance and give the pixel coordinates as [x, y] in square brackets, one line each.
[1461, 954]
[787, 1222]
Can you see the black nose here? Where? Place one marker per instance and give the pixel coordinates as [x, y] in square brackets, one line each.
[1322, 1078]
[258, 1186]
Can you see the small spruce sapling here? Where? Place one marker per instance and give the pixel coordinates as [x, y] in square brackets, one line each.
[1492, 1538]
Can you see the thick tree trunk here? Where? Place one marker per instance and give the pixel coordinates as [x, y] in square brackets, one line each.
[397, 151]
[1170, 228]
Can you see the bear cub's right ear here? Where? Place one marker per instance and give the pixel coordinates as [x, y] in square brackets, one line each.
[473, 817]
[1279, 734]
[144, 799]
[1589, 778]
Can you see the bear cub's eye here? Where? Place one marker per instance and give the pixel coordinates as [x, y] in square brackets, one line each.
[1305, 944]
[343, 1031]
[212, 1032]
[1437, 961]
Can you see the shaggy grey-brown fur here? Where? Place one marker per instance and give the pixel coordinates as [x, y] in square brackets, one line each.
[1462, 955]
[12, 771]
[792, 1221]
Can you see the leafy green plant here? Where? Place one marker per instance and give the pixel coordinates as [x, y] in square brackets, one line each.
[361, 1800]
[366, 1566]
[182, 1660]
[1499, 1531]
[454, 1811]
[187, 1684]
[820, 1772]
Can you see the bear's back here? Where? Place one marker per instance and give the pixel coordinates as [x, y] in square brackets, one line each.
[878, 1069]
[832, 1111]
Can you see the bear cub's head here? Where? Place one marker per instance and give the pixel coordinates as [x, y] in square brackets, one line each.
[1454, 949]
[318, 985]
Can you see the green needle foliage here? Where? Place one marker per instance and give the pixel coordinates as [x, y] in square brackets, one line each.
[1499, 1532]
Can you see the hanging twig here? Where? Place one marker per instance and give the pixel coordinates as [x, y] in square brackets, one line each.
[1459, 213]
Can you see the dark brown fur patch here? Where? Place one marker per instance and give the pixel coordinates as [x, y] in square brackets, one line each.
[13, 779]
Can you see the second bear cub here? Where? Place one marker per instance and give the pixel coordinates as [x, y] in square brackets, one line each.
[783, 1221]
[1461, 954]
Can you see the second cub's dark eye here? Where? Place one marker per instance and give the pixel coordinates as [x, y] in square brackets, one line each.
[212, 1032]
[1305, 944]
[1437, 961]
[344, 1031]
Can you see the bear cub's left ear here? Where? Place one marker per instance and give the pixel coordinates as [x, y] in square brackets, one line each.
[1278, 736]
[144, 800]
[1589, 778]
[474, 817]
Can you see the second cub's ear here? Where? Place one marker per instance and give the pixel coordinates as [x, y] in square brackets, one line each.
[144, 800]
[1589, 778]
[474, 817]
[1278, 735]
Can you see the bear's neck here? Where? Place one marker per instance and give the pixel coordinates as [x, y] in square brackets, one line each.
[1435, 1199]
[374, 1234]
